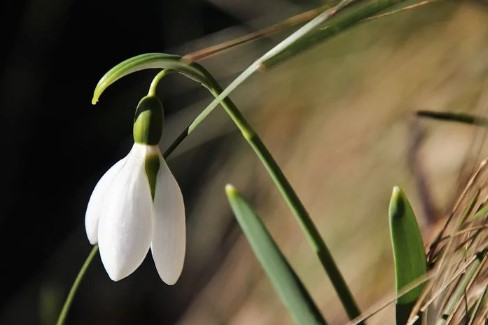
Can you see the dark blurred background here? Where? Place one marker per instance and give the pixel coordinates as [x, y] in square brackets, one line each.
[56, 146]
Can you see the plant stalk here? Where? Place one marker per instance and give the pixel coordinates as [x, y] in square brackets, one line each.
[74, 287]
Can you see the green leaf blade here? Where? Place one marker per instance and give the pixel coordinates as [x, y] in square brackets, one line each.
[340, 23]
[408, 253]
[290, 289]
[149, 61]
[454, 117]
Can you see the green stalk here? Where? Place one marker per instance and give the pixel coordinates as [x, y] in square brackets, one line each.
[154, 83]
[74, 287]
[291, 198]
[287, 191]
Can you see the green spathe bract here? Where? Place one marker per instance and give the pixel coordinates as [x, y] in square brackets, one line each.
[408, 253]
[148, 121]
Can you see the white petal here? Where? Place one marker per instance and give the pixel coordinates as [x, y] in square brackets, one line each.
[92, 215]
[126, 220]
[169, 237]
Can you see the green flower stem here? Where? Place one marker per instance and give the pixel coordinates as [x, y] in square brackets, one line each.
[298, 209]
[154, 83]
[74, 287]
[290, 196]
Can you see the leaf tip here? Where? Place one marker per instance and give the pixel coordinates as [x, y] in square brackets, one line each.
[396, 192]
[397, 203]
[230, 190]
[96, 95]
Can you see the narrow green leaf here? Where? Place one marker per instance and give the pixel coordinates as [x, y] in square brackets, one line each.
[408, 253]
[481, 212]
[290, 289]
[456, 297]
[149, 61]
[455, 117]
[349, 18]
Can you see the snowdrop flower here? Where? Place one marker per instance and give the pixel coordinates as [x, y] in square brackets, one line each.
[138, 205]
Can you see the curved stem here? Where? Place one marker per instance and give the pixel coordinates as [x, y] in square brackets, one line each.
[297, 207]
[74, 287]
[156, 80]
[290, 196]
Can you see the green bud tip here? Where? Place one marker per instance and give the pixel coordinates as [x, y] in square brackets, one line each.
[148, 121]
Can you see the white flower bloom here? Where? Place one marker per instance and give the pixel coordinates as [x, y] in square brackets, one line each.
[126, 221]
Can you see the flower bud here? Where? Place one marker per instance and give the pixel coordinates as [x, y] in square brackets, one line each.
[148, 121]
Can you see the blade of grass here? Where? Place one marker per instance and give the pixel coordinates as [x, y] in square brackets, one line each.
[455, 117]
[439, 291]
[406, 8]
[390, 299]
[480, 304]
[290, 289]
[408, 253]
[265, 32]
[462, 287]
[289, 23]
[346, 20]
[481, 212]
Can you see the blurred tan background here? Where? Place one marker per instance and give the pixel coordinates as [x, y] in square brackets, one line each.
[340, 121]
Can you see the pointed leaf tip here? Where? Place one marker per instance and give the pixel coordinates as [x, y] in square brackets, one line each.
[150, 61]
[287, 284]
[230, 190]
[408, 253]
[397, 203]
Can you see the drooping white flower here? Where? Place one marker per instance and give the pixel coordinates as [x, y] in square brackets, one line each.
[138, 205]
